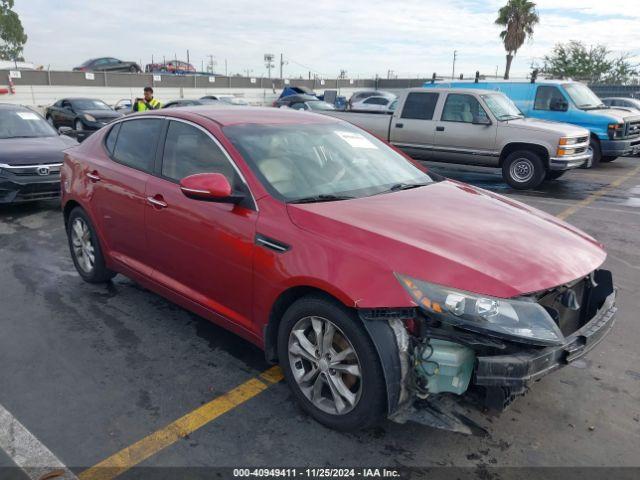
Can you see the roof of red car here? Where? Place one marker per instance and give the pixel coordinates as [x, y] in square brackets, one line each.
[231, 115]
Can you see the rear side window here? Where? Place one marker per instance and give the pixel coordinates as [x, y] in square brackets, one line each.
[110, 142]
[547, 96]
[136, 143]
[376, 101]
[420, 106]
[188, 150]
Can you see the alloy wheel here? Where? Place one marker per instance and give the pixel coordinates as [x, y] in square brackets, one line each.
[82, 243]
[325, 365]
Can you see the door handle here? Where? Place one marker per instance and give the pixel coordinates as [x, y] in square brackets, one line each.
[93, 176]
[157, 202]
[439, 129]
[399, 125]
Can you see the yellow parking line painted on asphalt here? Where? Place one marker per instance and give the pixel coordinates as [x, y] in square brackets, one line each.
[596, 195]
[150, 445]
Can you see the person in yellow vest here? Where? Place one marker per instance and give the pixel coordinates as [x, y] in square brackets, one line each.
[146, 103]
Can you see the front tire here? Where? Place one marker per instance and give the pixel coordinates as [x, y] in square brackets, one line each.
[594, 145]
[331, 364]
[78, 125]
[523, 169]
[85, 248]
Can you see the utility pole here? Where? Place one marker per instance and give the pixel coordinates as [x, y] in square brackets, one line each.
[188, 60]
[212, 63]
[453, 70]
[283, 62]
[226, 74]
[268, 62]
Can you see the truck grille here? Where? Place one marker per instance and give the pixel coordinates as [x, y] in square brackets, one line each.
[633, 129]
[582, 139]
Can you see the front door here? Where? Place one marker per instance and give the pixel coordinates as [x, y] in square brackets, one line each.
[201, 250]
[465, 133]
[118, 180]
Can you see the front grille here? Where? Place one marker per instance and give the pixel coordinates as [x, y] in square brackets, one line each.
[582, 139]
[38, 191]
[633, 129]
[40, 170]
[581, 150]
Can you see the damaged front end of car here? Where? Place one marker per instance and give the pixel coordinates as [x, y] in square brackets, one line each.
[458, 347]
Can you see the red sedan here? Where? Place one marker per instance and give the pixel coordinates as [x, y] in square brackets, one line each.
[373, 282]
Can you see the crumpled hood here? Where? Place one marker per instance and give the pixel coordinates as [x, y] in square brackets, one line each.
[33, 151]
[558, 128]
[458, 236]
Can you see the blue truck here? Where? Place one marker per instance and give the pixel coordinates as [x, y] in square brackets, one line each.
[614, 132]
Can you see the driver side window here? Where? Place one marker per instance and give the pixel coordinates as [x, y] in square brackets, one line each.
[463, 108]
[546, 97]
[188, 150]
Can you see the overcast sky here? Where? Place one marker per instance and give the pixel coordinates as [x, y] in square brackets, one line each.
[364, 37]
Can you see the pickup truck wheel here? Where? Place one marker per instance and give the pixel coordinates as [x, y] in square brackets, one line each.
[523, 169]
[607, 159]
[331, 364]
[554, 174]
[85, 248]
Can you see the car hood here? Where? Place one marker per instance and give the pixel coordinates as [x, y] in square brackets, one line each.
[615, 115]
[456, 235]
[536, 124]
[103, 113]
[32, 151]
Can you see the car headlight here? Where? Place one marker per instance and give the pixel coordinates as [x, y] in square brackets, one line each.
[89, 118]
[568, 141]
[517, 319]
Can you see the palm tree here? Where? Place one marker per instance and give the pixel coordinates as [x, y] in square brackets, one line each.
[518, 17]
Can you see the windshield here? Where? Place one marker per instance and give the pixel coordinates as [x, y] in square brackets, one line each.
[24, 124]
[583, 97]
[322, 161]
[320, 105]
[502, 106]
[88, 104]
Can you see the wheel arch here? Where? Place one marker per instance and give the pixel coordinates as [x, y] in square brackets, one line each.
[536, 148]
[68, 207]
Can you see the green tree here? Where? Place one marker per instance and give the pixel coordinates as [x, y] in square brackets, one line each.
[12, 36]
[592, 64]
[518, 17]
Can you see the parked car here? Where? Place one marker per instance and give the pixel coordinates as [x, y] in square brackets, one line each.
[80, 113]
[172, 66]
[311, 105]
[622, 102]
[364, 94]
[375, 104]
[30, 156]
[613, 133]
[295, 98]
[228, 99]
[124, 106]
[478, 127]
[108, 64]
[370, 280]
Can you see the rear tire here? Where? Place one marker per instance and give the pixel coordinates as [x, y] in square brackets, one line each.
[78, 125]
[554, 174]
[133, 69]
[318, 370]
[85, 248]
[607, 159]
[523, 169]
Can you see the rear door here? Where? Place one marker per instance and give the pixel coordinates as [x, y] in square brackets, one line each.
[118, 179]
[201, 250]
[413, 129]
[465, 132]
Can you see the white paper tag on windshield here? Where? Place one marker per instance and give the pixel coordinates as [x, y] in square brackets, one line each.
[28, 116]
[356, 140]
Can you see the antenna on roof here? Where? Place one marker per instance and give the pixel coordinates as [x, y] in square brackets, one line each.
[433, 78]
[534, 76]
[477, 76]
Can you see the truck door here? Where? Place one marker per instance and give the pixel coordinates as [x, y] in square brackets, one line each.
[413, 129]
[465, 133]
[550, 104]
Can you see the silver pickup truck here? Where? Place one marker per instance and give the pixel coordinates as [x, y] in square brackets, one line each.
[478, 127]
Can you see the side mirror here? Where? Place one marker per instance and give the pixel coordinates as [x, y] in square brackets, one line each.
[209, 187]
[559, 106]
[65, 130]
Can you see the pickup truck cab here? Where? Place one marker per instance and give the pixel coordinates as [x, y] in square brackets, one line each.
[613, 132]
[478, 127]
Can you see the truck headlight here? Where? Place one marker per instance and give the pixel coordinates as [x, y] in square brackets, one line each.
[615, 130]
[516, 319]
[89, 118]
[568, 141]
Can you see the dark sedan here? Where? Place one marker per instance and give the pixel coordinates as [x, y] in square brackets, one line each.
[80, 114]
[30, 156]
[108, 64]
